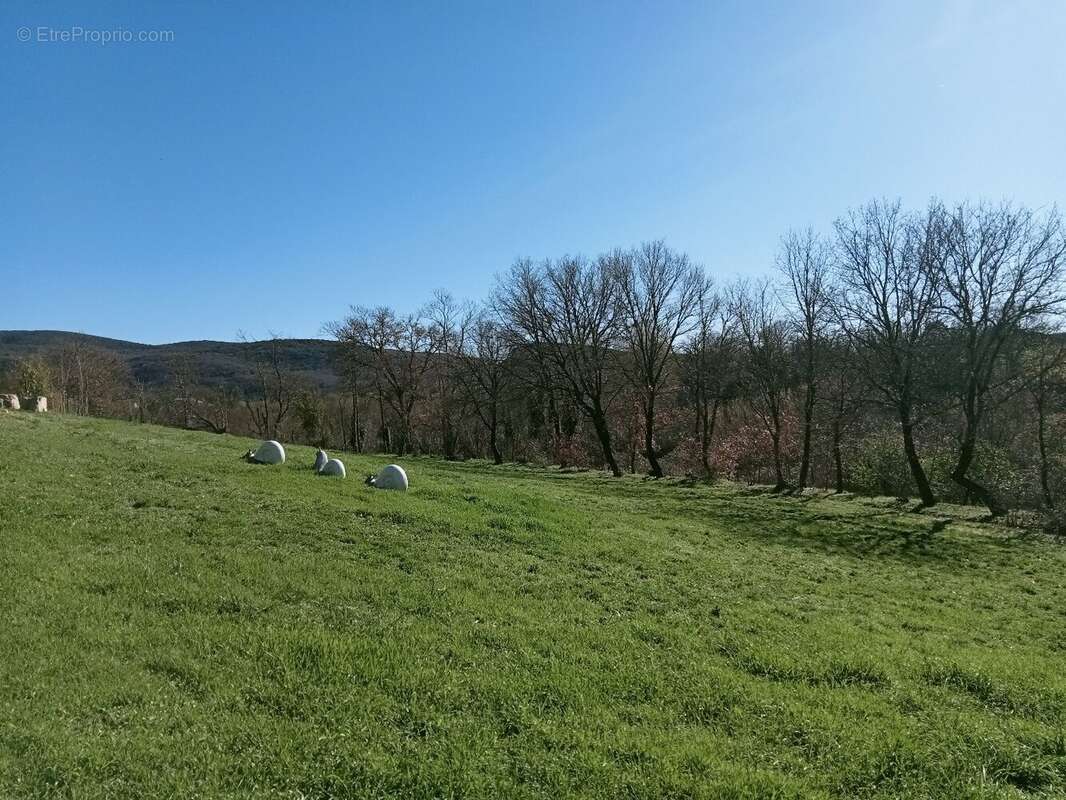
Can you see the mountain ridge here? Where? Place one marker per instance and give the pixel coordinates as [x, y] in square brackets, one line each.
[219, 363]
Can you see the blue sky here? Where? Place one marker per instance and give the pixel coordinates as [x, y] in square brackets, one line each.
[268, 168]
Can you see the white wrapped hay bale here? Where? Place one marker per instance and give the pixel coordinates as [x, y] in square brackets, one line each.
[333, 467]
[320, 460]
[269, 452]
[391, 477]
[10, 401]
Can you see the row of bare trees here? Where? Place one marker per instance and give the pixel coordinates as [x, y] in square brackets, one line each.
[923, 321]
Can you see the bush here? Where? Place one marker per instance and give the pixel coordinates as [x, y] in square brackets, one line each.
[33, 378]
[992, 467]
[878, 466]
[1055, 522]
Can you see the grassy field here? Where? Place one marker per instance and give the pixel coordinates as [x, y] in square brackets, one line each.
[177, 623]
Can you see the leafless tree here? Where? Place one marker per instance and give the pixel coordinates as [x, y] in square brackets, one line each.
[367, 335]
[356, 377]
[844, 394]
[183, 374]
[214, 408]
[1001, 274]
[271, 400]
[766, 362]
[804, 261]
[709, 368]
[91, 381]
[515, 303]
[567, 312]
[660, 293]
[483, 375]
[890, 296]
[401, 351]
[444, 316]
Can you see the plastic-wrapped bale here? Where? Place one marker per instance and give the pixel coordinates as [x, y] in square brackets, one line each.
[269, 452]
[333, 467]
[391, 477]
[10, 401]
[320, 460]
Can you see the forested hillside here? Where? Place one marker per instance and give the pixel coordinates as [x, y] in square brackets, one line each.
[219, 363]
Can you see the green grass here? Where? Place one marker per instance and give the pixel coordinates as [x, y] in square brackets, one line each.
[177, 623]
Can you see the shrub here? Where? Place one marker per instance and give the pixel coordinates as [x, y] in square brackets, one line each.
[878, 466]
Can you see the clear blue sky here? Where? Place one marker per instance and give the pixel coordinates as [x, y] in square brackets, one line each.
[268, 168]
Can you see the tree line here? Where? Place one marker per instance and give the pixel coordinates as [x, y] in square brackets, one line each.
[911, 352]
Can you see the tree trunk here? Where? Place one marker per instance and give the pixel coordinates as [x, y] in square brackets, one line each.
[355, 439]
[925, 491]
[779, 474]
[838, 457]
[556, 431]
[967, 447]
[497, 456]
[707, 437]
[808, 423]
[384, 433]
[403, 442]
[654, 468]
[603, 433]
[972, 487]
[1041, 437]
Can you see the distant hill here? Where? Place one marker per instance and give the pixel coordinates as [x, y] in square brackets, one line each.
[220, 363]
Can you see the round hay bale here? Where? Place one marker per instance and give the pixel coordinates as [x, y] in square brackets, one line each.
[334, 467]
[391, 477]
[269, 452]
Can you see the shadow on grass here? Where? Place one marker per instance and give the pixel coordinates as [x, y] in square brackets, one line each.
[817, 521]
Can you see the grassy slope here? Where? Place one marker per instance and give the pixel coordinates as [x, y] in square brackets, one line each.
[179, 623]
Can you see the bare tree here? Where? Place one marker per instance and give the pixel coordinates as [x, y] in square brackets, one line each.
[213, 408]
[184, 374]
[444, 317]
[766, 362]
[1001, 274]
[890, 296]
[567, 313]
[709, 368]
[401, 351]
[515, 303]
[91, 381]
[844, 394]
[659, 292]
[197, 405]
[275, 386]
[805, 262]
[483, 350]
[355, 372]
